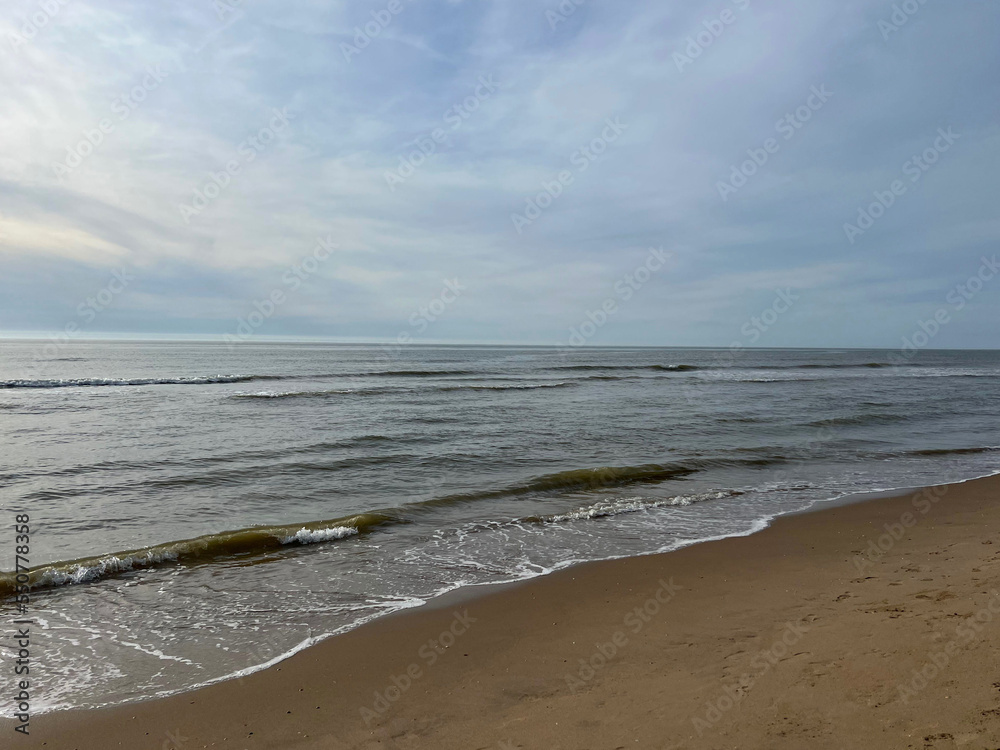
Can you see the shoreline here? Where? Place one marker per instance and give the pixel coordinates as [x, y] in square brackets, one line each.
[229, 697]
[468, 592]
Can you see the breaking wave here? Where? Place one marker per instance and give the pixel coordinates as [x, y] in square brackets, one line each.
[261, 539]
[617, 507]
[113, 382]
[198, 550]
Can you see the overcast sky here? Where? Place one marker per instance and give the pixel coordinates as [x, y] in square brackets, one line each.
[634, 113]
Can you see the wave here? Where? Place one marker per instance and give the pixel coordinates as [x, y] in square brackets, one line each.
[614, 377]
[119, 382]
[596, 367]
[574, 479]
[868, 365]
[661, 368]
[199, 460]
[225, 477]
[413, 373]
[526, 387]
[201, 549]
[859, 420]
[227, 469]
[214, 379]
[767, 380]
[605, 369]
[599, 478]
[257, 540]
[617, 507]
[943, 373]
[273, 395]
[314, 536]
[334, 392]
[954, 451]
[698, 368]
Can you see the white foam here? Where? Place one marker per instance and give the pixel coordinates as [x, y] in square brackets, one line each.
[307, 394]
[313, 536]
[522, 571]
[96, 382]
[514, 387]
[158, 654]
[104, 567]
[635, 504]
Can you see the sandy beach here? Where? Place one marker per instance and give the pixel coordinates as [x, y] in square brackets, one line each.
[870, 624]
[453, 375]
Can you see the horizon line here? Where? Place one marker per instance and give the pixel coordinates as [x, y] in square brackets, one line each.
[187, 338]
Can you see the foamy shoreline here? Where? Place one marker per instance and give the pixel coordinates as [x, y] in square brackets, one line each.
[475, 594]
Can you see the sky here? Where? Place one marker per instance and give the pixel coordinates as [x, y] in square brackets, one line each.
[819, 173]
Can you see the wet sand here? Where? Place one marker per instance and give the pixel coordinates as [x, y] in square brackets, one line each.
[872, 624]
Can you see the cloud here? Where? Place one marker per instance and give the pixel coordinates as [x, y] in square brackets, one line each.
[184, 95]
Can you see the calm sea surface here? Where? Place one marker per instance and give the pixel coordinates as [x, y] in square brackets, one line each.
[198, 511]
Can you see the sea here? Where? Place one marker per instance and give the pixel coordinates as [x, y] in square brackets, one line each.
[199, 511]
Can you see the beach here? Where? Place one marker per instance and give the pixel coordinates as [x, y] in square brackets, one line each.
[565, 375]
[249, 503]
[571, 376]
[867, 624]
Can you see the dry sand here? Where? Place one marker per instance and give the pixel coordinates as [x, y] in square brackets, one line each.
[795, 637]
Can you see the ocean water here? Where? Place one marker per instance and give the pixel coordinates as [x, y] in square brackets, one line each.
[199, 511]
